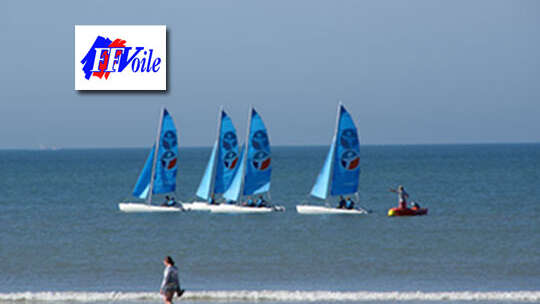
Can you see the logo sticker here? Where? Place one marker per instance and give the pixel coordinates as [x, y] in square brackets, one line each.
[119, 57]
[350, 160]
[169, 158]
[261, 158]
[229, 142]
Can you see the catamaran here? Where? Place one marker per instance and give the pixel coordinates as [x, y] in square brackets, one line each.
[252, 178]
[159, 173]
[341, 170]
[220, 170]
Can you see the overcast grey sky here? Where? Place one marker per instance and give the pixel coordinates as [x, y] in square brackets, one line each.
[408, 71]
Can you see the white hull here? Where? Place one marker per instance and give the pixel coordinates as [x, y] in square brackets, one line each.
[198, 206]
[138, 207]
[311, 209]
[226, 208]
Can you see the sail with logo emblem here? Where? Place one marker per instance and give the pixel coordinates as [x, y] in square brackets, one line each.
[258, 162]
[167, 157]
[341, 169]
[340, 172]
[223, 161]
[159, 173]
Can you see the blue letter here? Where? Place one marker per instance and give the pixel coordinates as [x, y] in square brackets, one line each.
[133, 64]
[156, 64]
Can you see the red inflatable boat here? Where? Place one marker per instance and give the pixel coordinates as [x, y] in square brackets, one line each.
[407, 211]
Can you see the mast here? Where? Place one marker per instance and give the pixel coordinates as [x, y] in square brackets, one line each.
[154, 162]
[360, 168]
[218, 145]
[334, 139]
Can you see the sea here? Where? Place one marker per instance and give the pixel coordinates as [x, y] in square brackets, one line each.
[64, 240]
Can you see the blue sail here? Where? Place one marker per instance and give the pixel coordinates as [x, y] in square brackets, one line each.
[346, 167]
[258, 163]
[322, 185]
[233, 192]
[204, 191]
[167, 157]
[143, 183]
[228, 157]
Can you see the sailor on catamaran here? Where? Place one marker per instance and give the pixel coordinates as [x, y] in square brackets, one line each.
[250, 202]
[261, 202]
[167, 202]
[349, 204]
[341, 203]
[402, 196]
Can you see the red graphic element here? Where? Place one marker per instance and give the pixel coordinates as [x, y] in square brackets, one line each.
[233, 164]
[105, 55]
[265, 164]
[354, 164]
[172, 163]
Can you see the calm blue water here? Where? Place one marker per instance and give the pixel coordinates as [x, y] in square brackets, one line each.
[61, 229]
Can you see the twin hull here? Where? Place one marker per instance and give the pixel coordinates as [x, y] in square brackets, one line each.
[311, 209]
[138, 207]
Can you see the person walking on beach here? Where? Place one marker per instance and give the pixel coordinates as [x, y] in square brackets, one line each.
[402, 196]
[170, 284]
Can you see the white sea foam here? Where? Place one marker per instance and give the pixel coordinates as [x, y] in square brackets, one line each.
[276, 296]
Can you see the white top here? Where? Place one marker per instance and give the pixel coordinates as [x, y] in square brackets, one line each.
[402, 194]
[170, 279]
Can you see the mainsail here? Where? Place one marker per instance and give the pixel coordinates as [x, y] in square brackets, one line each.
[159, 173]
[223, 161]
[258, 161]
[341, 170]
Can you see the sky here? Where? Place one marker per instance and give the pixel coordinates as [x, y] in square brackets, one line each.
[409, 72]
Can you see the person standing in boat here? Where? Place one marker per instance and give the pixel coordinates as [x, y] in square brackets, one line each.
[402, 196]
[170, 284]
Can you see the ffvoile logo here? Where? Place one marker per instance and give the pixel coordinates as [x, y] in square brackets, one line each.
[120, 57]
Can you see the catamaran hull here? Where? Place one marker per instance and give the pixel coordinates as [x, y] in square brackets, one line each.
[137, 207]
[310, 209]
[198, 206]
[224, 208]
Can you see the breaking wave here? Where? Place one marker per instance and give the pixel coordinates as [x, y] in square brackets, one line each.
[275, 296]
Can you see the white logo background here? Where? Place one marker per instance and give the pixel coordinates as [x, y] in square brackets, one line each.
[147, 36]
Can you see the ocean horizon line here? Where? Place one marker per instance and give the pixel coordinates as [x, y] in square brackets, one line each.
[56, 148]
